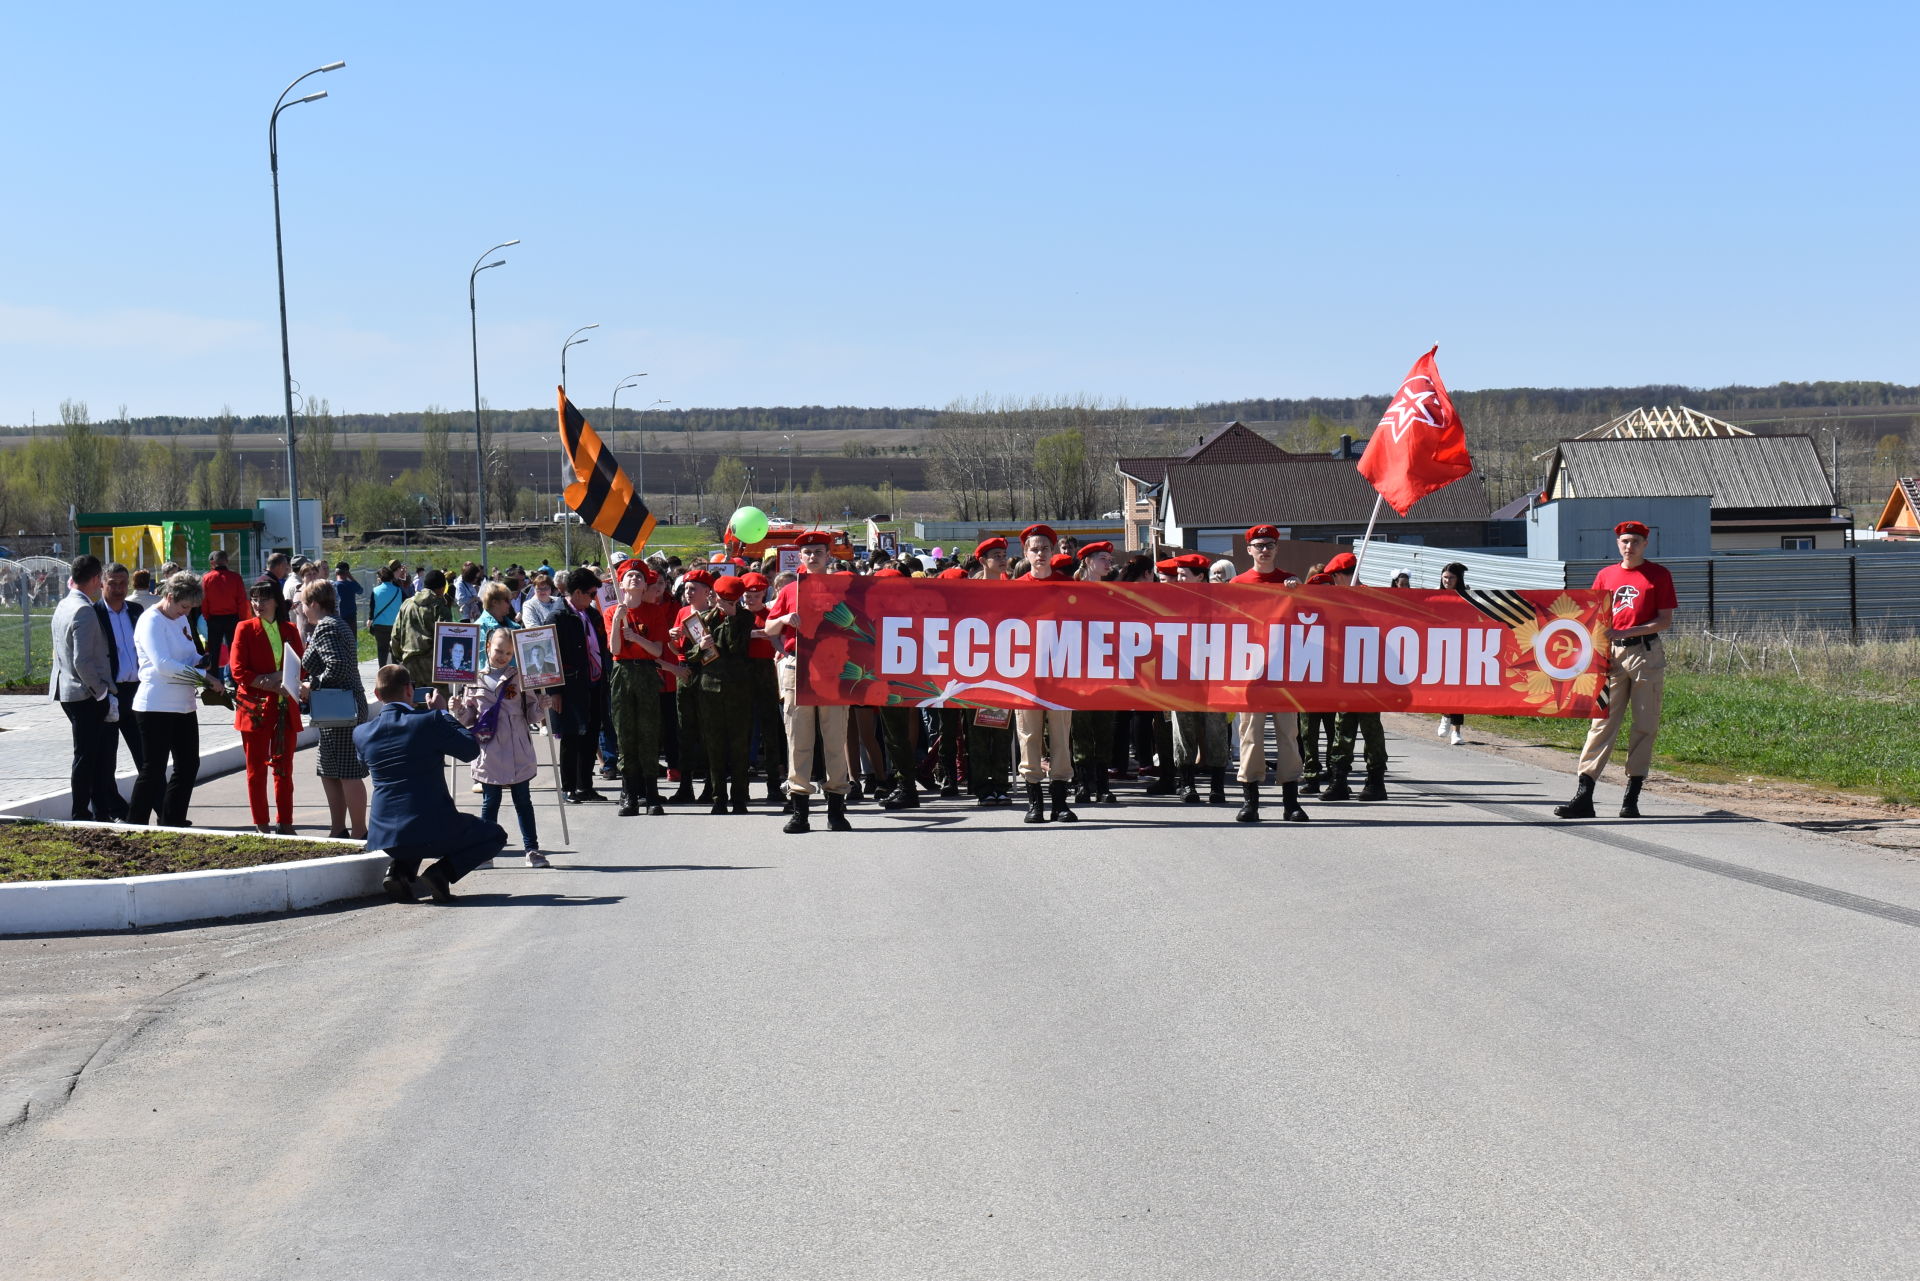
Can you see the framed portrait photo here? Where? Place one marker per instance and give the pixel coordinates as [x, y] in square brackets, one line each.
[536, 652]
[456, 653]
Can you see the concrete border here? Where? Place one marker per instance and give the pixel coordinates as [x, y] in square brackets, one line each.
[56, 807]
[133, 902]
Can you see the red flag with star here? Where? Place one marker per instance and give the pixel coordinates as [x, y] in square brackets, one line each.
[1420, 444]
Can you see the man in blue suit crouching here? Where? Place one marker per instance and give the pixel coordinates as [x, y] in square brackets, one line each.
[413, 817]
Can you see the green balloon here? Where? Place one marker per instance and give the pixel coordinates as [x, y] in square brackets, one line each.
[749, 524]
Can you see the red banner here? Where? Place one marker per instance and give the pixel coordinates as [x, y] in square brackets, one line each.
[1199, 647]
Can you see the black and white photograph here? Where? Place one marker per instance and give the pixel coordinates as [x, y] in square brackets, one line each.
[456, 649]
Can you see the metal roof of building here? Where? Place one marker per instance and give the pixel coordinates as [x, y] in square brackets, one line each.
[1304, 491]
[1740, 472]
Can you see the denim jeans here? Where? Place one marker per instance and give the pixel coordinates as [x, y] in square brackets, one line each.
[522, 808]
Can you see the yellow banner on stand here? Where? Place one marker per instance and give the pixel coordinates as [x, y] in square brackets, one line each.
[126, 543]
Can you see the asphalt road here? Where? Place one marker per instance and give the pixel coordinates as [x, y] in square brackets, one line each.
[1421, 1039]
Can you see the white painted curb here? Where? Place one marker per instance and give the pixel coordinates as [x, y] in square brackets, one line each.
[56, 807]
[130, 902]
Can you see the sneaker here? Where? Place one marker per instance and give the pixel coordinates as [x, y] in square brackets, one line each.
[536, 859]
[479, 788]
[1454, 736]
[1440, 730]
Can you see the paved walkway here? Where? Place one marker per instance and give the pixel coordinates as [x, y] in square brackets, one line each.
[36, 745]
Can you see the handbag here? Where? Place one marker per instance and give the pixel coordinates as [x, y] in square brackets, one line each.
[333, 708]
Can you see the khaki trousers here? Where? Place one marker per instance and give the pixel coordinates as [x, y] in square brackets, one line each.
[1044, 733]
[801, 722]
[1253, 747]
[1638, 677]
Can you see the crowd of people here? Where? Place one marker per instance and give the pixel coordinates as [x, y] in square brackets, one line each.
[685, 674]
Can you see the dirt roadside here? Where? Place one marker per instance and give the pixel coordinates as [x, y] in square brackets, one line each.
[1813, 809]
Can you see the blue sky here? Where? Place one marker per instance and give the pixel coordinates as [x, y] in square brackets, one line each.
[902, 204]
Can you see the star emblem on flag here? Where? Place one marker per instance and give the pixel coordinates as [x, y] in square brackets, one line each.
[1409, 407]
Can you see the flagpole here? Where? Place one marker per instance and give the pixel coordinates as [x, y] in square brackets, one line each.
[1360, 557]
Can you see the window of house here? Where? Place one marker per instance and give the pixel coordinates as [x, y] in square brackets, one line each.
[1796, 542]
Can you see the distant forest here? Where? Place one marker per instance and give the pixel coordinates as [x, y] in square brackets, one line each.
[1596, 403]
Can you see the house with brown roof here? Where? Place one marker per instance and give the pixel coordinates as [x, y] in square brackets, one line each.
[1141, 479]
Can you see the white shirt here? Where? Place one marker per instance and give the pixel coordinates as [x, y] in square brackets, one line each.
[166, 653]
[122, 623]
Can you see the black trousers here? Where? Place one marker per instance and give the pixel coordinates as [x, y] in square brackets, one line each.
[166, 736]
[129, 727]
[382, 642]
[91, 779]
[579, 752]
[220, 629]
[471, 842]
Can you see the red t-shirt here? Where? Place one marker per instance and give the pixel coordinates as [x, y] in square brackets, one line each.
[1277, 577]
[786, 601]
[1058, 580]
[760, 647]
[622, 647]
[1638, 594]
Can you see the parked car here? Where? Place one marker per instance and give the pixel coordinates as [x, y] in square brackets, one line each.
[567, 517]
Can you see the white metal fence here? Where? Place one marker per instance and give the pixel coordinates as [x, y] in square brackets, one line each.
[30, 590]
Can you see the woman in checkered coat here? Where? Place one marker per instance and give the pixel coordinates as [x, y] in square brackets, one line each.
[332, 662]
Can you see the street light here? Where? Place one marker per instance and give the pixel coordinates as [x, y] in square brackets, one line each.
[280, 264]
[573, 340]
[480, 264]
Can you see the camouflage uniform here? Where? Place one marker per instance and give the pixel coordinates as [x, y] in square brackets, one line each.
[724, 690]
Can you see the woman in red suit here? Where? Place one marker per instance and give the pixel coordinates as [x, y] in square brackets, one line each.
[267, 716]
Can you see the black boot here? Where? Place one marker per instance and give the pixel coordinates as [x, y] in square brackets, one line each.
[1290, 803]
[717, 794]
[1337, 790]
[1162, 784]
[1630, 803]
[1061, 814]
[654, 807]
[1189, 794]
[798, 823]
[1375, 789]
[776, 791]
[905, 797]
[1250, 808]
[1310, 785]
[1217, 792]
[683, 793]
[740, 792]
[1581, 806]
[837, 814]
[1036, 804]
[706, 793]
[629, 795]
[949, 790]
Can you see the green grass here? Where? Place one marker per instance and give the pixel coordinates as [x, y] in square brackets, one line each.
[673, 539]
[13, 631]
[1723, 726]
[53, 852]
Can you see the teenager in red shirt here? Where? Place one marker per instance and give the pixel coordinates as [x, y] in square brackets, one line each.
[1045, 735]
[783, 627]
[1263, 544]
[1643, 606]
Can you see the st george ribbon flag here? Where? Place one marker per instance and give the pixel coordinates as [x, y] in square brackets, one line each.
[1200, 647]
[601, 492]
[1419, 445]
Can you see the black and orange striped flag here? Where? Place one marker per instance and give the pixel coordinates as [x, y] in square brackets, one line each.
[602, 494]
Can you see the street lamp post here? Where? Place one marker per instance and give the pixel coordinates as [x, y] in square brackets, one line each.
[614, 408]
[280, 265]
[573, 340]
[480, 264]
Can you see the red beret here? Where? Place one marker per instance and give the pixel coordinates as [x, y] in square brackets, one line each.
[814, 538]
[1343, 563]
[1192, 560]
[730, 588]
[1062, 564]
[1319, 580]
[1044, 531]
[990, 545]
[634, 565]
[1264, 531]
[1094, 548]
[697, 576]
[755, 582]
[1167, 566]
[1630, 527]
[888, 572]
[955, 572]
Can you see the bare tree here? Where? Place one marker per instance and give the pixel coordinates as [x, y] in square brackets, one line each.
[436, 460]
[318, 458]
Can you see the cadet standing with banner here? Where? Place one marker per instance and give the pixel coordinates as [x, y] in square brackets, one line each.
[1263, 542]
[1200, 739]
[1093, 731]
[633, 693]
[1045, 734]
[1644, 603]
[726, 695]
[990, 745]
[1349, 727]
[803, 722]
